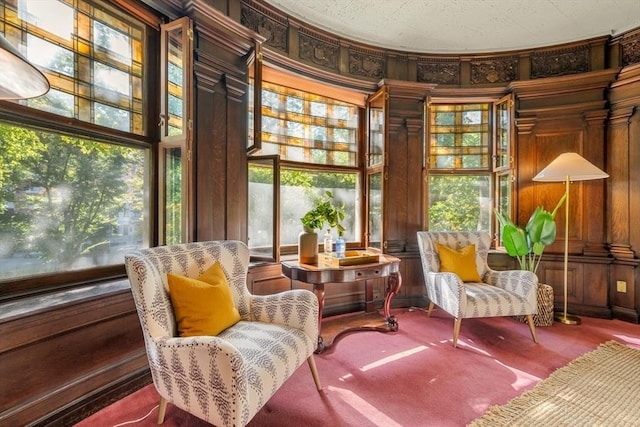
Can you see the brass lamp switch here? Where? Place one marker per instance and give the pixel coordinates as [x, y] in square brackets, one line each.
[621, 286]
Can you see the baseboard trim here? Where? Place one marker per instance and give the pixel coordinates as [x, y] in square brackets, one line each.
[96, 400]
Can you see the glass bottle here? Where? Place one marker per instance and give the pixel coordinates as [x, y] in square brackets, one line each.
[340, 246]
[328, 242]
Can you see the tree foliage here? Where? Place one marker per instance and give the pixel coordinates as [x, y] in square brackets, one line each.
[60, 195]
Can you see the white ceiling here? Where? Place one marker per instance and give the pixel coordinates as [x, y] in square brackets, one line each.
[465, 26]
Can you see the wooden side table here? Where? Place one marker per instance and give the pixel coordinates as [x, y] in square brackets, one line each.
[544, 317]
[318, 275]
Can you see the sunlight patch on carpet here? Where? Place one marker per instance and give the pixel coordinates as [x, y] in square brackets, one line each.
[365, 409]
[393, 358]
[522, 379]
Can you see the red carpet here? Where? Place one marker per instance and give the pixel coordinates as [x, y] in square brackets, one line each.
[410, 378]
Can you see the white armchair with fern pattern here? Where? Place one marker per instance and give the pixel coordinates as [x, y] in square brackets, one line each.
[497, 293]
[223, 379]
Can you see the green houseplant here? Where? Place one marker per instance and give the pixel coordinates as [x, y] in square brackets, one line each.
[324, 211]
[527, 243]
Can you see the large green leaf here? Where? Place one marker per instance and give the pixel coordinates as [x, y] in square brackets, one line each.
[514, 240]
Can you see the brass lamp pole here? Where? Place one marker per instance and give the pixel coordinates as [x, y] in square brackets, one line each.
[568, 167]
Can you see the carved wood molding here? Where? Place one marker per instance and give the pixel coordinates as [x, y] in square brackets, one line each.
[365, 64]
[325, 50]
[319, 50]
[494, 70]
[414, 126]
[445, 72]
[525, 125]
[621, 117]
[621, 251]
[560, 63]
[562, 85]
[273, 27]
[630, 47]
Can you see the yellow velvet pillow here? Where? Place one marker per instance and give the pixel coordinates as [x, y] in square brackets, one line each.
[462, 262]
[202, 306]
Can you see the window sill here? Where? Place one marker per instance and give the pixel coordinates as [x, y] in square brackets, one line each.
[39, 303]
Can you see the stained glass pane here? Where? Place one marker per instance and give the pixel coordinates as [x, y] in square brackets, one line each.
[459, 136]
[90, 54]
[305, 127]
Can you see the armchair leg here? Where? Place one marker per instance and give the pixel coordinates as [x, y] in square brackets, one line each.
[532, 328]
[316, 378]
[430, 308]
[162, 409]
[456, 330]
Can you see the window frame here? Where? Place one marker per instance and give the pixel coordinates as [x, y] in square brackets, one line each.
[14, 112]
[280, 164]
[493, 171]
[183, 141]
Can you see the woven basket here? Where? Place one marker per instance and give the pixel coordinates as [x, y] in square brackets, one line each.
[544, 317]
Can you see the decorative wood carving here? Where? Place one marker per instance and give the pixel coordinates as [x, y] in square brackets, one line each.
[269, 27]
[366, 65]
[631, 50]
[497, 70]
[446, 73]
[320, 52]
[560, 62]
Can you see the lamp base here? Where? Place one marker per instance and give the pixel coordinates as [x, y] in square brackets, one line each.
[567, 319]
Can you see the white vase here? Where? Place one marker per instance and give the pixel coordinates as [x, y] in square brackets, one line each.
[308, 246]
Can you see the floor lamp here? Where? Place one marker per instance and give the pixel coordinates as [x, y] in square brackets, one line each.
[19, 79]
[565, 168]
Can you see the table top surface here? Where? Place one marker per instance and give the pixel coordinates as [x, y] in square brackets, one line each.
[384, 259]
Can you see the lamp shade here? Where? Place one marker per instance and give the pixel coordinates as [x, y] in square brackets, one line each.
[572, 166]
[18, 78]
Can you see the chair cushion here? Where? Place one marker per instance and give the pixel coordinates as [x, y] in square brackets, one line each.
[202, 306]
[461, 262]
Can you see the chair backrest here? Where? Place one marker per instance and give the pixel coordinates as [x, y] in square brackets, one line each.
[147, 270]
[454, 240]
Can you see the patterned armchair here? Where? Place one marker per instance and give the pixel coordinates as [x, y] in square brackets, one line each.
[223, 379]
[500, 293]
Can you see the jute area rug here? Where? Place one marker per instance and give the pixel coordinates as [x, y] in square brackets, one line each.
[599, 388]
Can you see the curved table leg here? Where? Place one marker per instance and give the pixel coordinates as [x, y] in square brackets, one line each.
[318, 289]
[394, 284]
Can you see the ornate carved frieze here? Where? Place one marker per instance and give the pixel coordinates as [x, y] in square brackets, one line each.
[498, 70]
[631, 51]
[321, 52]
[445, 73]
[366, 65]
[269, 27]
[560, 62]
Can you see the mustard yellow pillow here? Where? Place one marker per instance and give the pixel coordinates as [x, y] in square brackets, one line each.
[202, 306]
[462, 262]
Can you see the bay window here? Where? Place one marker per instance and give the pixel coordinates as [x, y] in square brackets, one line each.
[75, 163]
[460, 172]
[309, 145]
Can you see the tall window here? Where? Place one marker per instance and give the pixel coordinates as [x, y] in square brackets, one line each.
[316, 140]
[72, 191]
[459, 177]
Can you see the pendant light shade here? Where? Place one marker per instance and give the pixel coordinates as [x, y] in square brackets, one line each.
[18, 78]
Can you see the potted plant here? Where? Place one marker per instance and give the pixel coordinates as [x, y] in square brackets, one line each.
[324, 211]
[527, 244]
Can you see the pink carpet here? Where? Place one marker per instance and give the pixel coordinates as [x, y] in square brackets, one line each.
[409, 378]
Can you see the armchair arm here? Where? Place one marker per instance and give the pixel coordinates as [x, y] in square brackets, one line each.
[210, 365]
[446, 290]
[297, 308]
[520, 282]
